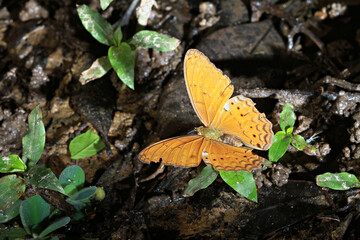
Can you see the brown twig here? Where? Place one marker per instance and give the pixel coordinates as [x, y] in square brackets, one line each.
[300, 28]
[328, 198]
[158, 171]
[126, 18]
[341, 83]
[295, 97]
[339, 232]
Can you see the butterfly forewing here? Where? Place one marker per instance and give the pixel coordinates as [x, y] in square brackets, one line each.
[224, 157]
[240, 118]
[207, 86]
[179, 151]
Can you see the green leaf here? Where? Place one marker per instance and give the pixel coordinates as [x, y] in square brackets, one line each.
[202, 181]
[98, 69]
[78, 206]
[84, 193]
[43, 177]
[70, 189]
[337, 181]
[122, 59]
[61, 222]
[152, 39]
[118, 36]
[85, 145]
[34, 140]
[105, 3]
[72, 175]
[12, 163]
[11, 189]
[300, 144]
[287, 118]
[279, 146]
[12, 233]
[33, 211]
[289, 131]
[243, 182]
[96, 25]
[11, 212]
[76, 203]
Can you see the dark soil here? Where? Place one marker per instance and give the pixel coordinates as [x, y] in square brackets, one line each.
[306, 53]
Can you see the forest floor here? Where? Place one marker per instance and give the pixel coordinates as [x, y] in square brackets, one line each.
[298, 52]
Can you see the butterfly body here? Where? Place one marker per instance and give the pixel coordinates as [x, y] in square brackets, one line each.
[232, 140]
[209, 133]
[234, 121]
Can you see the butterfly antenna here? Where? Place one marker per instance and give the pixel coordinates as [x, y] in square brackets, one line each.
[192, 132]
[314, 137]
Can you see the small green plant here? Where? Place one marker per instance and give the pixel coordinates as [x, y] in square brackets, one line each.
[13, 186]
[36, 217]
[121, 55]
[282, 139]
[242, 182]
[72, 179]
[25, 171]
[338, 181]
[85, 145]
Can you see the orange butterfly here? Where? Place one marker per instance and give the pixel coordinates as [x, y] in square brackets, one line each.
[234, 120]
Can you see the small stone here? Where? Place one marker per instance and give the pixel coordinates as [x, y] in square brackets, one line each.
[207, 16]
[345, 105]
[27, 42]
[5, 21]
[280, 174]
[60, 108]
[324, 149]
[55, 59]
[121, 122]
[346, 152]
[33, 11]
[39, 78]
[355, 133]
[304, 124]
[356, 152]
[336, 10]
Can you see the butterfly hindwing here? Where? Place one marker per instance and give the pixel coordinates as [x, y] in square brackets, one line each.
[224, 157]
[178, 151]
[240, 118]
[207, 86]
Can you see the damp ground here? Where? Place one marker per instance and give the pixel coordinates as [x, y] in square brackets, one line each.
[306, 53]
